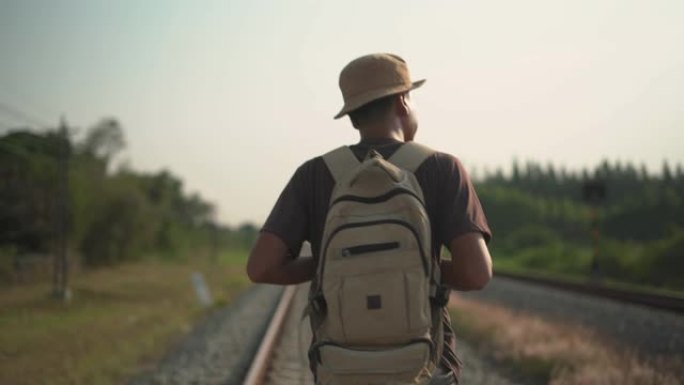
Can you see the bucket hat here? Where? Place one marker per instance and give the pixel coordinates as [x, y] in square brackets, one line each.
[372, 77]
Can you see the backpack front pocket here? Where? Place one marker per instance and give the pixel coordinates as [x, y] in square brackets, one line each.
[393, 364]
[373, 307]
[375, 284]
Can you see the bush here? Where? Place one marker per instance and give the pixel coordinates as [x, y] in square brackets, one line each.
[7, 257]
[666, 259]
[122, 228]
[531, 236]
[558, 257]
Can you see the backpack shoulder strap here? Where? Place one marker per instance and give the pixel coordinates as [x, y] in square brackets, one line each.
[340, 161]
[411, 155]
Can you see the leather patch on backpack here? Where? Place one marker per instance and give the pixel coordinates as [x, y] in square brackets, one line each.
[373, 302]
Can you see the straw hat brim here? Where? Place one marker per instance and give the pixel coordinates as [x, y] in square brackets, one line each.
[367, 97]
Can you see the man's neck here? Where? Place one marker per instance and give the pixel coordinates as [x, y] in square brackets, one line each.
[378, 141]
[381, 134]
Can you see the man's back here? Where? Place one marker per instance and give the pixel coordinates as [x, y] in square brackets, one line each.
[452, 206]
[376, 92]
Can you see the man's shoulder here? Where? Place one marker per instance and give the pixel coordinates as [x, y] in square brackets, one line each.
[311, 163]
[445, 157]
[316, 165]
[311, 168]
[442, 162]
[438, 161]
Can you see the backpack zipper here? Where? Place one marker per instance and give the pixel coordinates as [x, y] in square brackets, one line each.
[369, 248]
[315, 348]
[377, 199]
[371, 223]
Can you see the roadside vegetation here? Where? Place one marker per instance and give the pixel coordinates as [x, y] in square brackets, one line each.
[538, 351]
[58, 194]
[119, 320]
[132, 241]
[541, 223]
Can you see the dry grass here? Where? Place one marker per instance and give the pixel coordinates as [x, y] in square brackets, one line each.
[558, 354]
[120, 319]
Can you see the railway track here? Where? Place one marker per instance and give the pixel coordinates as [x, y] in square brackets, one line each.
[596, 289]
[281, 358]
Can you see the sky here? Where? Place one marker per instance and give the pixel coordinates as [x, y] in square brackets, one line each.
[232, 96]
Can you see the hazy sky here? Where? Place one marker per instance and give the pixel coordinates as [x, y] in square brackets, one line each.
[233, 96]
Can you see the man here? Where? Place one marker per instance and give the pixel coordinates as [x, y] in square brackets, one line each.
[375, 89]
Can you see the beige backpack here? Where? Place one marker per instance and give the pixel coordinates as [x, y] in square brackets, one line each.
[373, 310]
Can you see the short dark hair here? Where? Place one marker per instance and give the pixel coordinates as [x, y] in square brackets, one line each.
[372, 111]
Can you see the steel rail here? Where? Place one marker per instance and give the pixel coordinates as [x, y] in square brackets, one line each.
[672, 303]
[260, 363]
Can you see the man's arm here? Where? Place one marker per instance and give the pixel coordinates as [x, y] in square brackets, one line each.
[270, 262]
[470, 267]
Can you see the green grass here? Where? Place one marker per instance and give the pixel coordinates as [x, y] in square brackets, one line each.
[120, 319]
[653, 265]
[233, 257]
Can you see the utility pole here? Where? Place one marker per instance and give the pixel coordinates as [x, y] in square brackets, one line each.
[61, 267]
[214, 241]
[594, 192]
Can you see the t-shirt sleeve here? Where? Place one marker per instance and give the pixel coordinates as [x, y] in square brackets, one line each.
[289, 217]
[460, 210]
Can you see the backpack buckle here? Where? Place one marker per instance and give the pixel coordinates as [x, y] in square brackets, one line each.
[314, 355]
[372, 154]
[318, 304]
[440, 297]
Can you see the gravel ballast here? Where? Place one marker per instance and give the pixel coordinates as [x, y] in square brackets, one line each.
[220, 347]
[650, 331]
[290, 364]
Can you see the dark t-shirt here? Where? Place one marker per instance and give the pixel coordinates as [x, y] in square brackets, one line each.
[450, 199]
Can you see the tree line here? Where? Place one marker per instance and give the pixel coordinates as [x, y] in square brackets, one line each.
[108, 217]
[57, 190]
[541, 220]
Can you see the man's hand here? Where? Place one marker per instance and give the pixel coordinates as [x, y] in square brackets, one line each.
[470, 267]
[270, 262]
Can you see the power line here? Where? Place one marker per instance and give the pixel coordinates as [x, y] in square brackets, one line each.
[26, 100]
[22, 115]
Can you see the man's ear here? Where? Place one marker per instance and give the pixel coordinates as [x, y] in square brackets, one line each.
[401, 104]
[354, 122]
